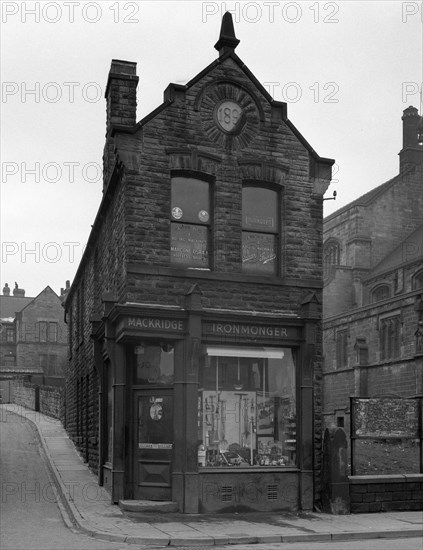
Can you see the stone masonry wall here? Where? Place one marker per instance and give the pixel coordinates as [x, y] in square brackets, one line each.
[386, 493]
[128, 255]
[50, 400]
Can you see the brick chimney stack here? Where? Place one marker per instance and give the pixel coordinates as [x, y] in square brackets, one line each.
[412, 151]
[121, 107]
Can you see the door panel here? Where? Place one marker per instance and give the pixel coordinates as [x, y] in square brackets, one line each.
[153, 413]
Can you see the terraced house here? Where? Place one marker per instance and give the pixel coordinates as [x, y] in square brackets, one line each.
[195, 315]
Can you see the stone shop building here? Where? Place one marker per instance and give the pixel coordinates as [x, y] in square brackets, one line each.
[195, 314]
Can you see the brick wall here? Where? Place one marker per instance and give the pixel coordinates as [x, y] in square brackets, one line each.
[386, 493]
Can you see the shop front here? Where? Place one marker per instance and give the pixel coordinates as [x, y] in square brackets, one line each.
[213, 412]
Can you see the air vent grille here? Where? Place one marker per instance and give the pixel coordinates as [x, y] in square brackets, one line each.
[226, 493]
[272, 492]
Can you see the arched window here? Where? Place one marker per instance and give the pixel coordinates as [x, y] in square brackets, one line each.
[390, 334]
[330, 255]
[418, 280]
[190, 221]
[260, 229]
[381, 292]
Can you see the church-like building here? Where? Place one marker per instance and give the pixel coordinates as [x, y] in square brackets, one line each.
[373, 287]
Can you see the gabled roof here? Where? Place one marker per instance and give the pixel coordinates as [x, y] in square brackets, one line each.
[226, 45]
[9, 305]
[367, 198]
[39, 294]
[410, 250]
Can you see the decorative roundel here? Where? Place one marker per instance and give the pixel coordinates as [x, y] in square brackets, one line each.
[177, 213]
[203, 216]
[229, 115]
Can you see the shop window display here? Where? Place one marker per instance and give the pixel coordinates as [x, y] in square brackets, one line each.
[247, 408]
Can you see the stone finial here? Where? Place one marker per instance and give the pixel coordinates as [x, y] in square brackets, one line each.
[227, 39]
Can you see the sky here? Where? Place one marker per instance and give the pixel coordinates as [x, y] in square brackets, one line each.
[347, 70]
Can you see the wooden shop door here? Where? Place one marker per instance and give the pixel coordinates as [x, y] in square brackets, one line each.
[153, 421]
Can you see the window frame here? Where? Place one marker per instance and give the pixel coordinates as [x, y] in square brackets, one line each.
[267, 398]
[390, 337]
[417, 280]
[330, 245]
[209, 225]
[277, 233]
[43, 331]
[376, 289]
[342, 349]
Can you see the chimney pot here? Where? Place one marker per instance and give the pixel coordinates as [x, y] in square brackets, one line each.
[6, 290]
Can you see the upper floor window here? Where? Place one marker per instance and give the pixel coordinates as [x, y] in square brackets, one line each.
[330, 256]
[52, 332]
[48, 331]
[260, 230]
[418, 280]
[380, 293]
[42, 331]
[10, 335]
[341, 349]
[190, 222]
[389, 335]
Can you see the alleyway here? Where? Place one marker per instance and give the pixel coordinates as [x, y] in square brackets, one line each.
[30, 517]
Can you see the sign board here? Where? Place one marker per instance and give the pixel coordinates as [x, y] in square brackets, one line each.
[251, 331]
[385, 417]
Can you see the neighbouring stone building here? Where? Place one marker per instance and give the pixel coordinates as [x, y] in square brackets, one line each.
[33, 338]
[194, 317]
[373, 287]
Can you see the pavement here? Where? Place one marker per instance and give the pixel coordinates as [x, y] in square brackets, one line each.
[86, 506]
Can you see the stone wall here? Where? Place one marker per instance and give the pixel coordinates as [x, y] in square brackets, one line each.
[386, 493]
[44, 399]
[128, 256]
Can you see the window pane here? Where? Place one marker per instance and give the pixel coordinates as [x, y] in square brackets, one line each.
[189, 245]
[259, 209]
[259, 253]
[52, 332]
[190, 200]
[153, 364]
[43, 331]
[247, 408]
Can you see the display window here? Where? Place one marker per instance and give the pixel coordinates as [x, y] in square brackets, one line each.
[154, 364]
[247, 408]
